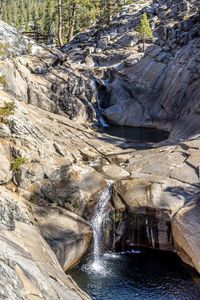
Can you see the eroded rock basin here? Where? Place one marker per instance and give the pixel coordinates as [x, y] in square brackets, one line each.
[136, 134]
[141, 275]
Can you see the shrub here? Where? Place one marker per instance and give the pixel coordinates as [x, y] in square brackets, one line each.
[6, 111]
[30, 48]
[3, 49]
[18, 162]
[3, 81]
[75, 204]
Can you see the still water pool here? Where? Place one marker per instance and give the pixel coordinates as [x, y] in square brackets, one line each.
[136, 134]
[146, 275]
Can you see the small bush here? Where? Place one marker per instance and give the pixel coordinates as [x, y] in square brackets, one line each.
[75, 204]
[6, 111]
[3, 49]
[18, 162]
[30, 48]
[3, 81]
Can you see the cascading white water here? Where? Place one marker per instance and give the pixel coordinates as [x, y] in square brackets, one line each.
[152, 238]
[100, 214]
[100, 117]
[147, 229]
[150, 233]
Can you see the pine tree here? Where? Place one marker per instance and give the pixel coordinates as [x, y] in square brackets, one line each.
[28, 14]
[22, 14]
[60, 23]
[144, 30]
[4, 15]
[14, 13]
[35, 17]
[69, 16]
[9, 16]
[48, 15]
[108, 9]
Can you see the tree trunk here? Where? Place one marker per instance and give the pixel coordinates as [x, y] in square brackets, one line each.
[72, 25]
[143, 45]
[60, 23]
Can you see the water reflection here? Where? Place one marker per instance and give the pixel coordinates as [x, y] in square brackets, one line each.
[143, 275]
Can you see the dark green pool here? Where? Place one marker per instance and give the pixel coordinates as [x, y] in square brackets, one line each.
[146, 275]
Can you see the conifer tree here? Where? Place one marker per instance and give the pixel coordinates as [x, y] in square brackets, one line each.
[28, 14]
[22, 14]
[60, 24]
[69, 16]
[48, 15]
[35, 17]
[4, 14]
[144, 30]
[14, 13]
[107, 10]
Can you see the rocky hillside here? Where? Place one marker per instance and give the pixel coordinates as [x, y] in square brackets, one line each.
[54, 165]
[158, 88]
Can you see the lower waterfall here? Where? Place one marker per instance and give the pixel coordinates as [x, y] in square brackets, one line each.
[139, 275]
[97, 222]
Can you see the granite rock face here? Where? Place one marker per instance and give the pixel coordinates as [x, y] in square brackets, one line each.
[68, 235]
[41, 76]
[28, 265]
[158, 93]
[151, 198]
[156, 186]
[186, 232]
[15, 43]
[158, 88]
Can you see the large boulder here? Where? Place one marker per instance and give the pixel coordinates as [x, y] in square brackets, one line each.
[186, 233]
[73, 187]
[128, 40]
[28, 266]
[68, 235]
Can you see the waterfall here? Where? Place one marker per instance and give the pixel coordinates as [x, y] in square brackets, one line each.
[147, 229]
[150, 233]
[100, 214]
[99, 116]
[152, 238]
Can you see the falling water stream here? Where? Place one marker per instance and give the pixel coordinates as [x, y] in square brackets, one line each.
[100, 215]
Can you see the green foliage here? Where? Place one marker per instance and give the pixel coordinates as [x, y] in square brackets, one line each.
[3, 49]
[3, 81]
[30, 48]
[6, 111]
[116, 216]
[107, 10]
[75, 204]
[38, 15]
[18, 162]
[144, 30]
